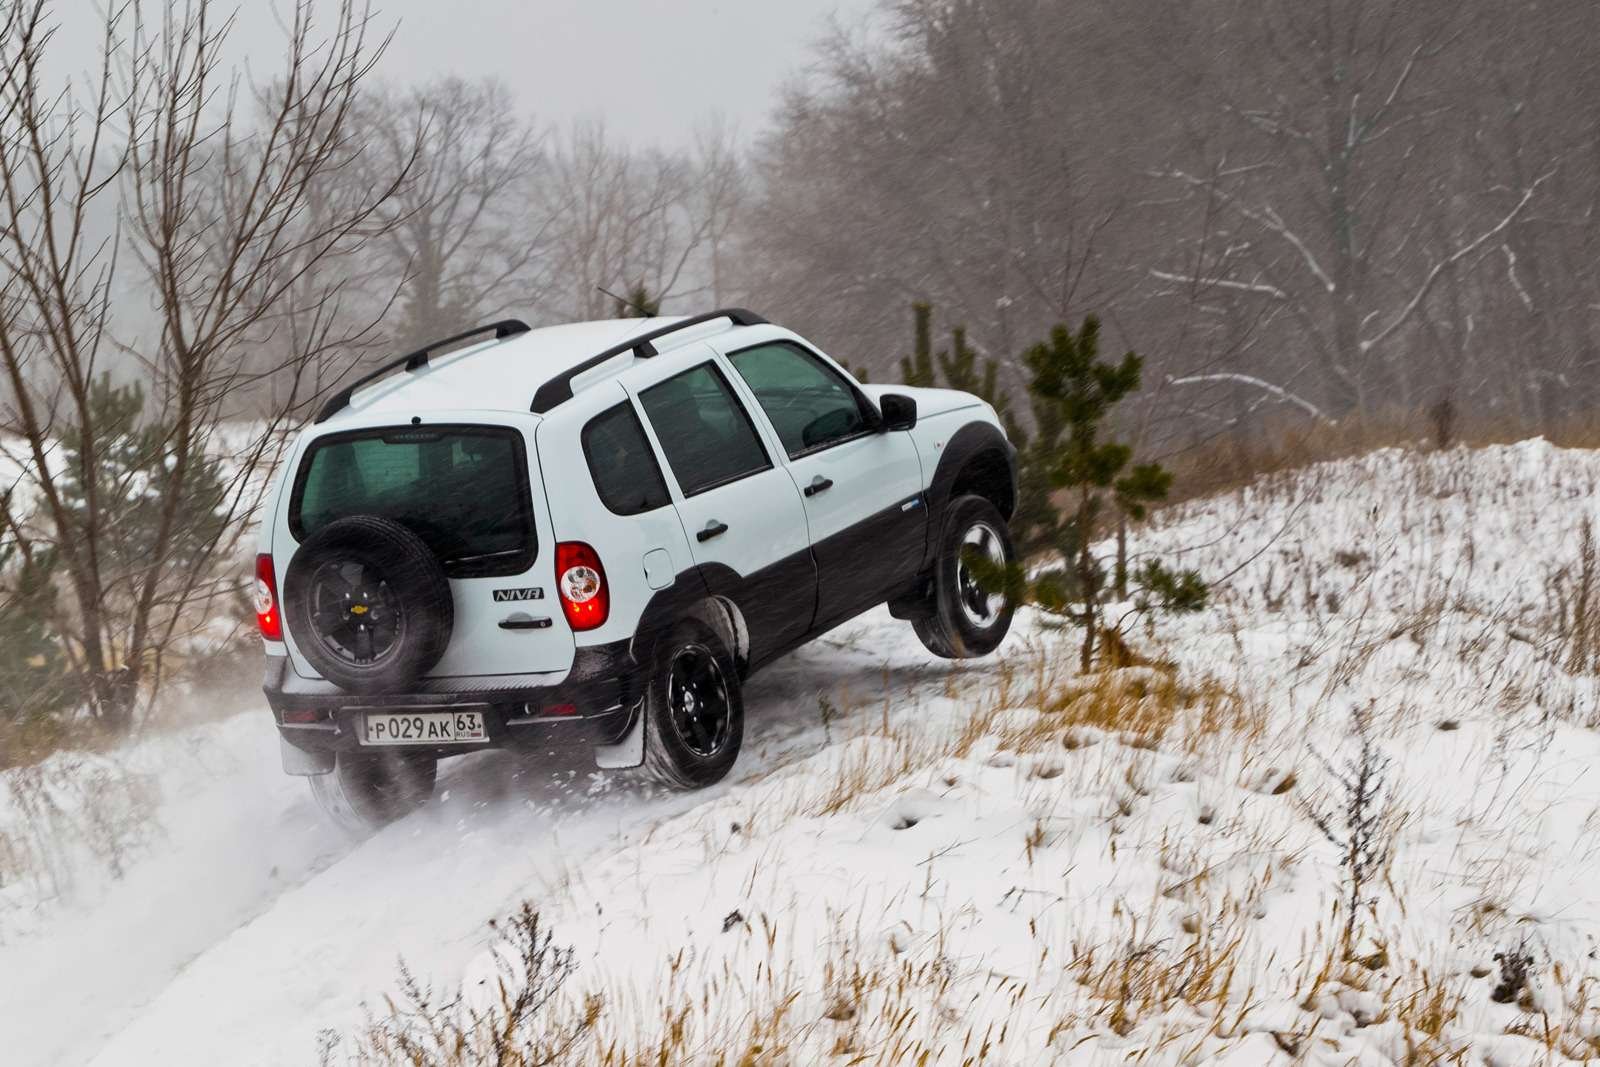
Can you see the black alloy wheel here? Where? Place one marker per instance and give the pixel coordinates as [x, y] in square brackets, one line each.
[354, 612]
[697, 694]
[693, 708]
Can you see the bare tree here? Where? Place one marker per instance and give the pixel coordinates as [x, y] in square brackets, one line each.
[462, 244]
[218, 226]
[624, 218]
[718, 199]
[1318, 206]
[1328, 128]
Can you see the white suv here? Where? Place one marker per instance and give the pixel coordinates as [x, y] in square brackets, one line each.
[589, 534]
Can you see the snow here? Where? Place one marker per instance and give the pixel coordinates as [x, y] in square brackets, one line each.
[975, 861]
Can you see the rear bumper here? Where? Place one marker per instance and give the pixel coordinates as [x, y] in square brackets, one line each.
[603, 689]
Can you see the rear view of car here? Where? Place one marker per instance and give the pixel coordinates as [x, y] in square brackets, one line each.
[404, 585]
[591, 534]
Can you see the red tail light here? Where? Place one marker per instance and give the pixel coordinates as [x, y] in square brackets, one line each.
[581, 584]
[267, 614]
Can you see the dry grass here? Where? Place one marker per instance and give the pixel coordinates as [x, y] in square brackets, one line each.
[1036, 704]
[1143, 976]
[71, 813]
[1228, 461]
[1575, 590]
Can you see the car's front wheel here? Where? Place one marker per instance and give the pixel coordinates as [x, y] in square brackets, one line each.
[967, 618]
[367, 790]
[693, 709]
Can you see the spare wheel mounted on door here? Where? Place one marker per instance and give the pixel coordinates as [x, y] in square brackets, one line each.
[368, 604]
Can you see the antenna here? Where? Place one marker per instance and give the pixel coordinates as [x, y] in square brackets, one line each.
[625, 302]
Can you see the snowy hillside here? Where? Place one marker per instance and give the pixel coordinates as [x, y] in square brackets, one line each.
[922, 863]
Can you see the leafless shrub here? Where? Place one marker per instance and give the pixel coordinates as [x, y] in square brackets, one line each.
[1361, 827]
[1576, 589]
[531, 1022]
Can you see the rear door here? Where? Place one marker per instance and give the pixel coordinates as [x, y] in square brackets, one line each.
[740, 509]
[862, 487]
[464, 488]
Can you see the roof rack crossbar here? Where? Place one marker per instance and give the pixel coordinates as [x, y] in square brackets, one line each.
[558, 390]
[415, 361]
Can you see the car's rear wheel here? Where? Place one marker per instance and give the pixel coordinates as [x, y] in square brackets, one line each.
[693, 709]
[967, 618]
[367, 790]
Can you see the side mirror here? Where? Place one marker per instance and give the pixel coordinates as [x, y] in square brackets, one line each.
[899, 411]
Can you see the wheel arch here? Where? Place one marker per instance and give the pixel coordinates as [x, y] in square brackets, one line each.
[978, 459]
[690, 597]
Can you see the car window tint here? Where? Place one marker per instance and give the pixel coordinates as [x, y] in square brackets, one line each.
[706, 436]
[463, 490]
[809, 403]
[621, 462]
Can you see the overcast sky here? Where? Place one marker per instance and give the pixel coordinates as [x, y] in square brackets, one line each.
[651, 68]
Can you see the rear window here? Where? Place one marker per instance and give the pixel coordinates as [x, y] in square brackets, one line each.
[462, 489]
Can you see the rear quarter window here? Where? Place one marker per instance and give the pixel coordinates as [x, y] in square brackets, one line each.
[462, 489]
[622, 463]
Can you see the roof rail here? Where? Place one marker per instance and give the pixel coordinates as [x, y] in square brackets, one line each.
[414, 361]
[558, 390]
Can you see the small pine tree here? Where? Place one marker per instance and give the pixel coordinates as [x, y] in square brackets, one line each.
[33, 669]
[132, 471]
[916, 369]
[639, 302]
[959, 368]
[133, 477]
[1072, 393]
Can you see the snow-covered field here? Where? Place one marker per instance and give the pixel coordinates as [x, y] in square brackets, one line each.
[925, 863]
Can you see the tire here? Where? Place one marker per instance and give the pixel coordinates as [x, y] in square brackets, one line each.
[368, 604]
[366, 791]
[686, 748]
[964, 622]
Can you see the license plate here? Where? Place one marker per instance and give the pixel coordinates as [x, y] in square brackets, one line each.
[424, 728]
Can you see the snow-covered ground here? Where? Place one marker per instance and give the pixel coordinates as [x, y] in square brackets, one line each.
[924, 863]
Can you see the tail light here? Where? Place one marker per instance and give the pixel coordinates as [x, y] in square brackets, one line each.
[581, 584]
[267, 615]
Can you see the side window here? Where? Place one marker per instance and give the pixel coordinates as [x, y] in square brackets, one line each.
[707, 437]
[621, 463]
[810, 404]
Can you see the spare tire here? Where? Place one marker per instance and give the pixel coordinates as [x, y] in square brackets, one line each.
[368, 604]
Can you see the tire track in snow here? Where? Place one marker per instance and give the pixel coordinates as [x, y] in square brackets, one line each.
[300, 955]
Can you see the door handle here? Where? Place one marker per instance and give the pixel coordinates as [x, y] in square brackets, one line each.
[818, 484]
[713, 529]
[520, 621]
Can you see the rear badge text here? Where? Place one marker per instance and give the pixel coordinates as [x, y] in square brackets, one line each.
[503, 596]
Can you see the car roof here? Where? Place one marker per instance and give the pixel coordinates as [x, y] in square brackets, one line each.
[503, 375]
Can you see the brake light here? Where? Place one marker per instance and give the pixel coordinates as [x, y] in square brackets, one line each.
[267, 615]
[581, 584]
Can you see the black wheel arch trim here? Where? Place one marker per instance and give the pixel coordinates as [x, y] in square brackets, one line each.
[973, 441]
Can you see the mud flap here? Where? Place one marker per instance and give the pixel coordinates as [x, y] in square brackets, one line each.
[627, 753]
[298, 761]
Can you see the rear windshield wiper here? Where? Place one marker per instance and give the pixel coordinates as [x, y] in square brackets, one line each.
[481, 556]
